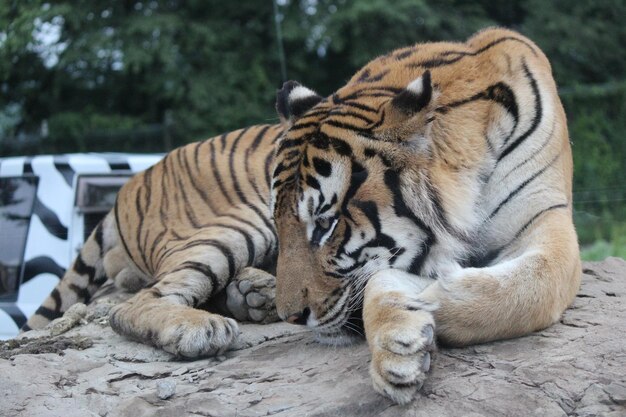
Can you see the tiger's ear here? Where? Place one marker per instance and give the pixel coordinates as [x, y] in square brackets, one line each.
[293, 100]
[410, 109]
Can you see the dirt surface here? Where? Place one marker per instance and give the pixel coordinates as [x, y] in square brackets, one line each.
[575, 368]
[13, 347]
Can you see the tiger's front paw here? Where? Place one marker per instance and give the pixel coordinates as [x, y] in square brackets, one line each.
[251, 295]
[197, 333]
[401, 354]
[180, 330]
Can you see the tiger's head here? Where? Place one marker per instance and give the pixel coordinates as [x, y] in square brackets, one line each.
[341, 177]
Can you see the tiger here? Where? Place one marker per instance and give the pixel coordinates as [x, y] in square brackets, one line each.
[427, 201]
[432, 196]
[192, 238]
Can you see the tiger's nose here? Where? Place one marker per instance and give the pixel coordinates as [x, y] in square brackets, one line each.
[299, 318]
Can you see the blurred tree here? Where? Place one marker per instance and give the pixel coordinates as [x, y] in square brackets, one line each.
[115, 65]
[89, 68]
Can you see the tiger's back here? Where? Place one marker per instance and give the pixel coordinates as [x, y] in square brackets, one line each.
[219, 183]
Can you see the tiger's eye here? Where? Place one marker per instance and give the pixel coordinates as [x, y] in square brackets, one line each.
[323, 223]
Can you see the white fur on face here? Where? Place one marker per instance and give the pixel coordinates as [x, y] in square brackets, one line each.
[308, 203]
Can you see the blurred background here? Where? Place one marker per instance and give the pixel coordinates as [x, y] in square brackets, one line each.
[147, 76]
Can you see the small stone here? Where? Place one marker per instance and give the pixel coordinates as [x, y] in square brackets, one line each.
[71, 318]
[166, 389]
[77, 310]
[254, 299]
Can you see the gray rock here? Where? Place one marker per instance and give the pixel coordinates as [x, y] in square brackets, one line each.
[71, 318]
[166, 389]
[575, 367]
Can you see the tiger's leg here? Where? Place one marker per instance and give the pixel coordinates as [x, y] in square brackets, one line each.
[400, 332]
[251, 296]
[191, 273]
[526, 290]
[163, 315]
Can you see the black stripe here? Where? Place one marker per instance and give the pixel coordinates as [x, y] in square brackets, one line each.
[186, 203]
[313, 182]
[288, 143]
[48, 313]
[203, 269]
[405, 54]
[231, 167]
[50, 220]
[360, 106]
[535, 152]
[218, 176]
[536, 118]
[444, 58]
[347, 126]
[219, 245]
[82, 268]
[140, 213]
[192, 178]
[357, 178]
[303, 125]
[529, 222]
[485, 259]
[280, 168]
[82, 293]
[246, 236]
[56, 296]
[252, 182]
[322, 167]
[257, 139]
[98, 237]
[255, 227]
[119, 232]
[371, 92]
[521, 187]
[340, 146]
[353, 114]
[392, 180]
[222, 140]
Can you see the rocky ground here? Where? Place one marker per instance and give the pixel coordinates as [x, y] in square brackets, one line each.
[575, 368]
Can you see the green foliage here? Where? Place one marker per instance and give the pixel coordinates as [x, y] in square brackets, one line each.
[602, 248]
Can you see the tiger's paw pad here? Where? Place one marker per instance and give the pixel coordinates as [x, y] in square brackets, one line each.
[250, 296]
[401, 360]
[198, 334]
